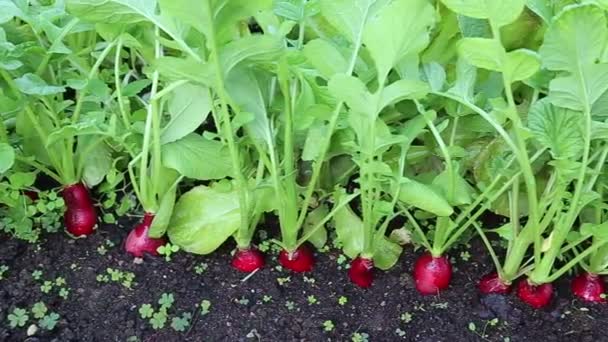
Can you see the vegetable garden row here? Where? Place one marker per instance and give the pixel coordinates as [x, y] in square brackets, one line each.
[365, 124]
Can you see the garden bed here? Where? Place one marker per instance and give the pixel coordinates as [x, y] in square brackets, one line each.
[259, 308]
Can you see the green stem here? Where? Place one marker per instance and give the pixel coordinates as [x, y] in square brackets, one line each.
[117, 83]
[47, 56]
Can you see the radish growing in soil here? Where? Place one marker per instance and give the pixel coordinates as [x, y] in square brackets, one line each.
[139, 242]
[300, 260]
[248, 260]
[589, 287]
[491, 283]
[361, 272]
[80, 216]
[537, 296]
[432, 274]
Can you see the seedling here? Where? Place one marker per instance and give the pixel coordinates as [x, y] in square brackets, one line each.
[328, 326]
[168, 250]
[18, 318]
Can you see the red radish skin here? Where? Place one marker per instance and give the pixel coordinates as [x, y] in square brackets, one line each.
[432, 274]
[80, 216]
[300, 260]
[589, 287]
[248, 260]
[139, 243]
[537, 296]
[361, 272]
[491, 283]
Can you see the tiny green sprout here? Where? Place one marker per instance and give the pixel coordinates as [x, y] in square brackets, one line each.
[243, 301]
[342, 300]
[406, 317]
[102, 250]
[201, 268]
[64, 293]
[46, 287]
[3, 270]
[400, 332]
[283, 281]
[472, 327]
[180, 324]
[309, 280]
[465, 255]
[290, 305]
[341, 259]
[102, 278]
[360, 337]
[205, 307]
[328, 326]
[60, 281]
[109, 243]
[264, 246]
[266, 298]
[49, 321]
[167, 250]
[158, 320]
[146, 311]
[18, 318]
[39, 310]
[166, 300]
[73, 266]
[37, 274]
[311, 299]
[493, 322]
[443, 305]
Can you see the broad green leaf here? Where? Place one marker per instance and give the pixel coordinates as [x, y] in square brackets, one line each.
[348, 16]
[577, 36]
[90, 124]
[434, 75]
[314, 134]
[403, 89]
[7, 157]
[252, 49]
[319, 238]
[196, 157]
[349, 229]
[483, 53]
[399, 29]
[352, 91]
[466, 75]
[189, 107]
[463, 192]
[499, 12]
[31, 84]
[203, 218]
[176, 69]
[542, 8]
[96, 159]
[386, 253]
[582, 89]
[8, 10]
[423, 197]
[164, 213]
[521, 64]
[558, 129]
[325, 58]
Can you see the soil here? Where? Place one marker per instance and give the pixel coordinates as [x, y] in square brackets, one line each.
[259, 308]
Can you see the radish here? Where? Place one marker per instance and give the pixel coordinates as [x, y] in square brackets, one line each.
[248, 260]
[361, 272]
[80, 216]
[491, 283]
[300, 260]
[138, 242]
[588, 287]
[432, 274]
[537, 296]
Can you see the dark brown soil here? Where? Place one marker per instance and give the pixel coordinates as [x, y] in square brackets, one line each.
[97, 311]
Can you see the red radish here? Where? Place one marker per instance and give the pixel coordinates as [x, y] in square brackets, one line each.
[80, 216]
[491, 283]
[248, 260]
[432, 274]
[300, 260]
[588, 287]
[33, 195]
[537, 296]
[361, 272]
[138, 242]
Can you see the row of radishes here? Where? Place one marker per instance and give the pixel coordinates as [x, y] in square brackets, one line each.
[431, 274]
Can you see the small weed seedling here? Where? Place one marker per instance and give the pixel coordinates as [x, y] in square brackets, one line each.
[205, 307]
[342, 300]
[168, 250]
[117, 276]
[18, 318]
[328, 326]
[201, 268]
[158, 318]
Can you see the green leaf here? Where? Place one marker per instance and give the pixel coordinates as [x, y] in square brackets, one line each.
[7, 157]
[521, 64]
[348, 16]
[251, 49]
[463, 192]
[325, 58]
[349, 229]
[189, 107]
[352, 91]
[319, 238]
[96, 161]
[482, 52]
[196, 157]
[403, 89]
[164, 213]
[499, 12]
[31, 84]
[203, 219]
[558, 129]
[424, 197]
[386, 253]
[189, 69]
[400, 28]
